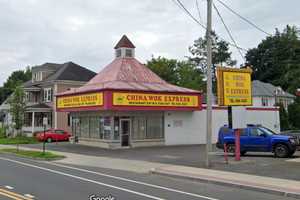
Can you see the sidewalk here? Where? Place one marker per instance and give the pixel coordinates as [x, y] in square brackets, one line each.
[136, 166]
[276, 186]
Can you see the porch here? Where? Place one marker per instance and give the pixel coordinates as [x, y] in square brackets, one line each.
[33, 119]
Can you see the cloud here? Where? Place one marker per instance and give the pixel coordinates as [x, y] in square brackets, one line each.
[33, 32]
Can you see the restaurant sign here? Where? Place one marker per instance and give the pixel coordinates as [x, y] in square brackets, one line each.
[234, 87]
[148, 99]
[84, 100]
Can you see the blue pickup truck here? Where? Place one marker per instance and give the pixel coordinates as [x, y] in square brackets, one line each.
[257, 138]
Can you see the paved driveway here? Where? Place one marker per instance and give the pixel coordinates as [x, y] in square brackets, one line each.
[263, 164]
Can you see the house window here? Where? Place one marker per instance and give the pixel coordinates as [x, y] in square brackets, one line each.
[27, 97]
[264, 101]
[48, 93]
[128, 53]
[118, 53]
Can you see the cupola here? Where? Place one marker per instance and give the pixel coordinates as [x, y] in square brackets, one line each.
[124, 48]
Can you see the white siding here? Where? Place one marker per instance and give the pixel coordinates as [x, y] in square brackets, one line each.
[190, 127]
[257, 101]
[267, 118]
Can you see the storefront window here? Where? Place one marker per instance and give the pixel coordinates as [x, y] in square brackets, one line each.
[76, 126]
[107, 128]
[154, 128]
[94, 127]
[84, 127]
[139, 128]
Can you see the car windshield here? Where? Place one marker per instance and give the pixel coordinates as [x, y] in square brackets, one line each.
[267, 131]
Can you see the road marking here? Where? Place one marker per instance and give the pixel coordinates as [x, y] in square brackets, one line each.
[29, 196]
[9, 187]
[12, 195]
[84, 179]
[133, 181]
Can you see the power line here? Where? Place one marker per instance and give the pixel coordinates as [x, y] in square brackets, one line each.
[199, 13]
[182, 7]
[228, 31]
[243, 18]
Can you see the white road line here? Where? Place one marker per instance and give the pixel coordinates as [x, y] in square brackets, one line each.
[29, 196]
[9, 187]
[133, 181]
[84, 179]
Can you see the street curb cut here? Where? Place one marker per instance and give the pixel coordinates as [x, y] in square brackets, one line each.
[223, 183]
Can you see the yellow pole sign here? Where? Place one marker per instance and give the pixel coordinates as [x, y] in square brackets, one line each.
[234, 86]
[77, 101]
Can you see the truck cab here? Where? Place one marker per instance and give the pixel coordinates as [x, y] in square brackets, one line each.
[256, 138]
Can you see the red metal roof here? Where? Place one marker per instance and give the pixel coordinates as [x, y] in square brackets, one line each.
[128, 74]
[124, 42]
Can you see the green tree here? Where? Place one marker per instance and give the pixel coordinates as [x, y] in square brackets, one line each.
[284, 119]
[17, 108]
[220, 53]
[14, 80]
[164, 68]
[277, 59]
[294, 114]
[181, 73]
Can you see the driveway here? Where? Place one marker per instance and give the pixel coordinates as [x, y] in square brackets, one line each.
[262, 164]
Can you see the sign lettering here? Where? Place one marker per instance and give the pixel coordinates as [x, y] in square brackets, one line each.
[84, 100]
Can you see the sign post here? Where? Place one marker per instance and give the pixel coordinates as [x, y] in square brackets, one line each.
[235, 90]
[45, 123]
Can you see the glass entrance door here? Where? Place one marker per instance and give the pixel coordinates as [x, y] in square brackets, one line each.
[125, 132]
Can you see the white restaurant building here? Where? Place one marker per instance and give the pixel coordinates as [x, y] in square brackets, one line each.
[127, 104]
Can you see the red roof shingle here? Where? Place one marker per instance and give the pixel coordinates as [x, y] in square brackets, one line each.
[124, 42]
[128, 74]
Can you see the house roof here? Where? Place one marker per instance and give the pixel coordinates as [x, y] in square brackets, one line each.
[128, 74]
[67, 71]
[124, 42]
[260, 88]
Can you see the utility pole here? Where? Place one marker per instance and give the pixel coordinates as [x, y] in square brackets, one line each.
[209, 84]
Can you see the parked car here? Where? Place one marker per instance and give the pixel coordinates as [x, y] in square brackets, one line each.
[257, 138]
[293, 133]
[53, 135]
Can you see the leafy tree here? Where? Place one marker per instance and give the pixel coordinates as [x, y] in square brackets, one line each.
[17, 107]
[294, 114]
[220, 53]
[165, 68]
[181, 73]
[14, 80]
[277, 59]
[284, 119]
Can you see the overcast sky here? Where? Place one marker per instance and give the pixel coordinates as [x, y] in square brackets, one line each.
[33, 32]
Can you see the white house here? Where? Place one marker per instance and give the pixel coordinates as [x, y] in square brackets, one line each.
[268, 95]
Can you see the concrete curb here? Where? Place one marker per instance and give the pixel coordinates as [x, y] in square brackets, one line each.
[227, 183]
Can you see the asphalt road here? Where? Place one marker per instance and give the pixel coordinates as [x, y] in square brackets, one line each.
[48, 181]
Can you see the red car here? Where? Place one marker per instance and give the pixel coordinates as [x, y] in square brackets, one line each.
[53, 135]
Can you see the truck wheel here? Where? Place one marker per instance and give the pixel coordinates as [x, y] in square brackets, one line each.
[281, 151]
[230, 148]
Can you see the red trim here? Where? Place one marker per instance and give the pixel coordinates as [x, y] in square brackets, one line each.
[262, 109]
